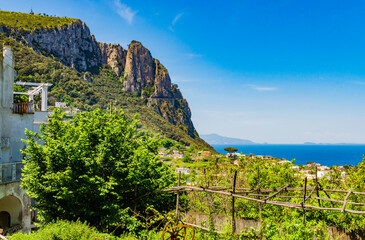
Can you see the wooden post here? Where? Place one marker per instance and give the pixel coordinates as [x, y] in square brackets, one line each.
[305, 192]
[178, 196]
[209, 202]
[258, 188]
[319, 184]
[319, 201]
[345, 201]
[205, 176]
[233, 191]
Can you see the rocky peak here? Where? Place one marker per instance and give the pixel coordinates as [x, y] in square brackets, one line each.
[162, 81]
[114, 55]
[72, 44]
[139, 69]
[147, 77]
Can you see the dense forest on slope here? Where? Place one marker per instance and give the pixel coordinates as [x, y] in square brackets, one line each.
[87, 91]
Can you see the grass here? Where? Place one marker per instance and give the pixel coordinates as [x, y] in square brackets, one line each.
[29, 22]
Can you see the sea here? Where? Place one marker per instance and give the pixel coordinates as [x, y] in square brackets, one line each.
[327, 155]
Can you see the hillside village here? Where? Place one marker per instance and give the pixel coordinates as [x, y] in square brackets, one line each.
[309, 171]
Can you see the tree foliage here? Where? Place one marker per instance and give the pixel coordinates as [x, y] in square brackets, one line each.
[230, 149]
[95, 168]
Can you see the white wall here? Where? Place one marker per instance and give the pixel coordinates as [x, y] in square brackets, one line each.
[13, 199]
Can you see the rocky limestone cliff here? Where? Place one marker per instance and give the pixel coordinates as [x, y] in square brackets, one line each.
[114, 55]
[139, 69]
[143, 75]
[72, 44]
[147, 77]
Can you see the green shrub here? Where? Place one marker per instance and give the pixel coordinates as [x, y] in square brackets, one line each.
[64, 230]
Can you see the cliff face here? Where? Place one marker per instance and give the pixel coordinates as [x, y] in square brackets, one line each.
[143, 75]
[113, 55]
[139, 68]
[147, 77]
[72, 44]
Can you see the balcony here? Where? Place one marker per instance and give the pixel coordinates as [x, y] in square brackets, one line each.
[23, 107]
[10, 172]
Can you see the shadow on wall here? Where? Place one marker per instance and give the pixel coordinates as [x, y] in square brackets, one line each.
[4, 220]
[10, 212]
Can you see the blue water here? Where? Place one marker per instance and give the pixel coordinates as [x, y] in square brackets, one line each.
[327, 155]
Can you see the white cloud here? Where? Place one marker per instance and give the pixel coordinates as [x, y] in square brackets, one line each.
[124, 11]
[177, 17]
[263, 89]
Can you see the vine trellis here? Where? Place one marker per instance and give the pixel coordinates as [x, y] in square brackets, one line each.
[267, 196]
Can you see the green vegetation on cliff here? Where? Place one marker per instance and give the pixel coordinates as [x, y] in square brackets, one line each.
[28, 22]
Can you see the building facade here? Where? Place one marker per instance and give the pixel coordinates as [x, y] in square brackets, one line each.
[14, 119]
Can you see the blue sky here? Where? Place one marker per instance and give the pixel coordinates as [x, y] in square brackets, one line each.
[281, 71]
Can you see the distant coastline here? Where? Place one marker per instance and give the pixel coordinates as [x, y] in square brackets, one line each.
[215, 139]
[328, 155]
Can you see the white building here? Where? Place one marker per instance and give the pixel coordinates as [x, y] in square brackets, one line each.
[183, 170]
[321, 174]
[296, 168]
[60, 105]
[14, 118]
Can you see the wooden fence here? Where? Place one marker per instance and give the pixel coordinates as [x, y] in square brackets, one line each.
[267, 196]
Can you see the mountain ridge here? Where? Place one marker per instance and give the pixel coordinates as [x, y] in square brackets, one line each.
[216, 139]
[74, 46]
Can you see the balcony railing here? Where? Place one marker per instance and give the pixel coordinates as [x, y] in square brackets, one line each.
[23, 107]
[10, 172]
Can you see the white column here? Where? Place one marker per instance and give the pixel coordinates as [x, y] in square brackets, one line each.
[2, 97]
[8, 75]
[44, 99]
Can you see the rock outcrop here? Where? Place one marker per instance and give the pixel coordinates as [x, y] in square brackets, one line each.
[72, 44]
[114, 55]
[139, 69]
[149, 78]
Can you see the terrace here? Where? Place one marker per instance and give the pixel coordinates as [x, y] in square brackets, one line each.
[33, 89]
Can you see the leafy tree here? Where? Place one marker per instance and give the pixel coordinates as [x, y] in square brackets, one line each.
[187, 158]
[167, 143]
[95, 168]
[230, 149]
